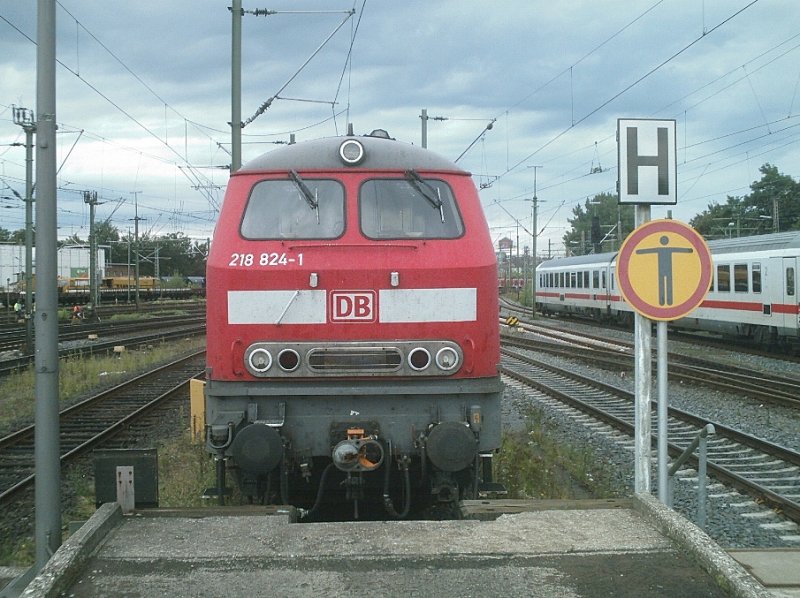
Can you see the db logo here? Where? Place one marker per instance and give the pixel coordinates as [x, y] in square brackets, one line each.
[353, 306]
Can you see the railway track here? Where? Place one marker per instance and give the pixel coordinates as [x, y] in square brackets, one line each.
[95, 420]
[767, 472]
[11, 339]
[765, 387]
[702, 340]
[110, 336]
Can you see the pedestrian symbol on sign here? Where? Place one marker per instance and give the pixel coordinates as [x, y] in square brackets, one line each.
[664, 267]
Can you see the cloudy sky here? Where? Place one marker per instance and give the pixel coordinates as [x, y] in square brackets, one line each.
[143, 97]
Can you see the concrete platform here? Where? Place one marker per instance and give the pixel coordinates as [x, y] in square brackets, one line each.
[597, 548]
[778, 569]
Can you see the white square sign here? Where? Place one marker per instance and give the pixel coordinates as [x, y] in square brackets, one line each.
[647, 161]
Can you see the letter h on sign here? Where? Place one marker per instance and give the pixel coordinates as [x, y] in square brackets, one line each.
[647, 163]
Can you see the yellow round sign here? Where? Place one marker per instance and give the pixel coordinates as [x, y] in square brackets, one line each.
[664, 269]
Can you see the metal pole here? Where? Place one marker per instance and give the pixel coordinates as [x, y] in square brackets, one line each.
[129, 265]
[29, 238]
[424, 118]
[90, 197]
[643, 387]
[701, 482]
[136, 250]
[533, 236]
[24, 118]
[47, 449]
[136, 254]
[663, 405]
[236, 85]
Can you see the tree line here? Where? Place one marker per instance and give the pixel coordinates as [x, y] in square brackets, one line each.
[773, 205]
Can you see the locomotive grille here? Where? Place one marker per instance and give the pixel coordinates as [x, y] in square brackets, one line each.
[355, 359]
[426, 357]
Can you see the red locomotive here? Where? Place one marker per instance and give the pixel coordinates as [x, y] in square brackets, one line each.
[353, 340]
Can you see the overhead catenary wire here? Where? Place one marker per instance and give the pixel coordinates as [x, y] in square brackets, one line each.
[268, 102]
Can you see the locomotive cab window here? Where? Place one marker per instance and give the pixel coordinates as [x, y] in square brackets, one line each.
[408, 208]
[295, 208]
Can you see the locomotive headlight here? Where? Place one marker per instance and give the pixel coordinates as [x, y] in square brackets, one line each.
[351, 152]
[259, 360]
[447, 359]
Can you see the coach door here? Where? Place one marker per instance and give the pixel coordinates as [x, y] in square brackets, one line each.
[791, 315]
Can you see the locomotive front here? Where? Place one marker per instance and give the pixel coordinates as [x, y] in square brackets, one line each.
[352, 327]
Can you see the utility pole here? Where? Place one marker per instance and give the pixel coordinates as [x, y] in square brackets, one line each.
[425, 118]
[236, 85]
[534, 216]
[90, 197]
[47, 420]
[129, 265]
[136, 220]
[24, 118]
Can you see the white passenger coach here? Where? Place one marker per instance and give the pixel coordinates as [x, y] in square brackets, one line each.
[753, 291]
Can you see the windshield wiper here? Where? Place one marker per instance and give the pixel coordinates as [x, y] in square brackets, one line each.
[309, 196]
[428, 191]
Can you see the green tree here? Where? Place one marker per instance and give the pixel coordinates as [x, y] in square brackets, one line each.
[754, 214]
[774, 190]
[594, 225]
[719, 220]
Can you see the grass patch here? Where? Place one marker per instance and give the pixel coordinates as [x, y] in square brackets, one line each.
[536, 463]
[185, 471]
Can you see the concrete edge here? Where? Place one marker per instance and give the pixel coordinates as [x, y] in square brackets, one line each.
[62, 568]
[731, 576]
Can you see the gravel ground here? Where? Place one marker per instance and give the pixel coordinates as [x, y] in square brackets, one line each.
[724, 523]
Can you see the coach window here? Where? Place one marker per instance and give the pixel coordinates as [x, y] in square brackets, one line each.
[755, 277]
[603, 280]
[301, 208]
[408, 208]
[724, 278]
[790, 282]
[740, 278]
[586, 279]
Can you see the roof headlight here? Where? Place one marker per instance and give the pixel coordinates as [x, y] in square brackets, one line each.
[351, 152]
[259, 360]
[447, 359]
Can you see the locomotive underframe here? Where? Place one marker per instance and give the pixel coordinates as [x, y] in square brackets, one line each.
[312, 417]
